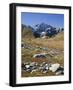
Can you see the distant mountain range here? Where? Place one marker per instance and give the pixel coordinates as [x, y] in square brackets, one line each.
[42, 29]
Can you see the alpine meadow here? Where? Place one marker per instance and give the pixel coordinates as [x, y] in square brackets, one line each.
[42, 44]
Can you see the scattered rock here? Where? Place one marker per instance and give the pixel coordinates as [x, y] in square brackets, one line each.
[42, 55]
[60, 71]
[54, 67]
[43, 67]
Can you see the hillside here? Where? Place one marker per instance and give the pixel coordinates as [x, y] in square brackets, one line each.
[26, 32]
[53, 48]
[59, 36]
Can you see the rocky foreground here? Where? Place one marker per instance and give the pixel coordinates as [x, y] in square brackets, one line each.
[40, 67]
[44, 68]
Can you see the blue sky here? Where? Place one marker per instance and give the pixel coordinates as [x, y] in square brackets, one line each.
[56, 20]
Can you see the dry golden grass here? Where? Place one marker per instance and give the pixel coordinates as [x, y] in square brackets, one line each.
[56, 42]
[37, 74]
[51, 43]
